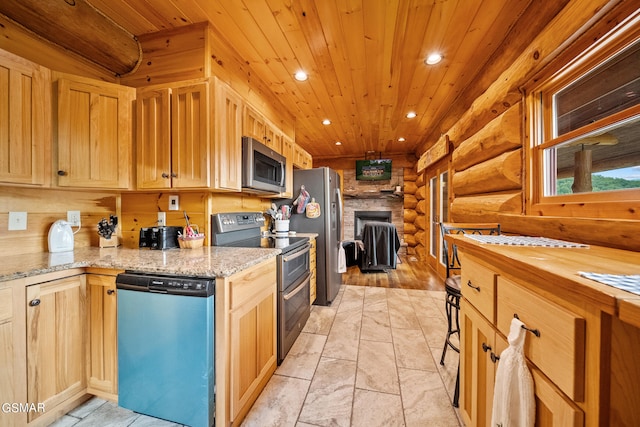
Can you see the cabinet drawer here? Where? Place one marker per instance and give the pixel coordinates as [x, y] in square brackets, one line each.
[559, 351]
[478, 286]
[553, 409]
[251, 283]
[6, 304]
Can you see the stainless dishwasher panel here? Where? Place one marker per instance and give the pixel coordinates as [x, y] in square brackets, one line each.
[166, 354]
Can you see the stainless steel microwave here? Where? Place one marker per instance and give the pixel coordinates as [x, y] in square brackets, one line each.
[263, 169]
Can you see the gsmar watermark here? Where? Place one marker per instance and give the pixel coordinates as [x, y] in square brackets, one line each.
[15, 407]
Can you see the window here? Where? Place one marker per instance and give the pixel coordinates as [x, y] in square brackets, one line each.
[585, 129]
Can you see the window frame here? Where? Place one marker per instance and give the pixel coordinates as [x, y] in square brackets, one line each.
[617, 204]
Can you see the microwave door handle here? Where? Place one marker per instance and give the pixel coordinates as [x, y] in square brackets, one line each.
[283, 167]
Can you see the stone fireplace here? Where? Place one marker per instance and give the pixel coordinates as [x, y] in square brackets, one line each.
[360, 218]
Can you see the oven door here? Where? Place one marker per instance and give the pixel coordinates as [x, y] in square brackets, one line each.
[294, 309]
[293, 266]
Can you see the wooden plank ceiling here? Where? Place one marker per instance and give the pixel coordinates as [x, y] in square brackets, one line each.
[364, 58]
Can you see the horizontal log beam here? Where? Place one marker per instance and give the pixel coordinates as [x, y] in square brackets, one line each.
[498, 136]
[79, 28]
[498, 174]
[485, 208]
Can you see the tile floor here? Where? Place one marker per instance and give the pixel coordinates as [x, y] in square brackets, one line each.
[370, 359]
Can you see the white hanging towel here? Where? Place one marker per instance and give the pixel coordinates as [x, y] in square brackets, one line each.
[514, 403]
[342, 259]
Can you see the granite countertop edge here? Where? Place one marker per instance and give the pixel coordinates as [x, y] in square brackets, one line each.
[207, 261]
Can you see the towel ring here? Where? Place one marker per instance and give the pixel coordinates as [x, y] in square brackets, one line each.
[535, 332]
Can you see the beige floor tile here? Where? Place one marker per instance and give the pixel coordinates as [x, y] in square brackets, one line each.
[424, 399]
[279, 403]
[377, 367]
[330, 398]
[302, 359]
[411, 350]
[374, 409]
[320, 320]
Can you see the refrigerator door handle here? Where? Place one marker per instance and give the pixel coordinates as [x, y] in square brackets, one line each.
[339, 194]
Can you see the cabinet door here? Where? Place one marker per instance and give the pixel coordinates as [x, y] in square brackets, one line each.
[94, 121]
[190, 136]
[287, 152]
[55, 341]
[253, 348]
[477, 367]
[153, 138]
[253, 124]
[228, 139]
[25, 121]
[102, 369]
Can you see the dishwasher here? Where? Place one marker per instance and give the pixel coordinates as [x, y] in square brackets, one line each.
[166, 347]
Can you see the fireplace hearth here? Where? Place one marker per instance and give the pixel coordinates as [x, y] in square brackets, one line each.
[360, 218]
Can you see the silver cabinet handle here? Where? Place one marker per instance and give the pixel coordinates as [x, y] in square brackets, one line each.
[34, 302]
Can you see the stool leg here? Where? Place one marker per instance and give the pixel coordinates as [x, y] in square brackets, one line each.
[456, 392]
[446, 340]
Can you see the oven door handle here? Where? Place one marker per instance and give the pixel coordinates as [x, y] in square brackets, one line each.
[297, 254]
[300, 287]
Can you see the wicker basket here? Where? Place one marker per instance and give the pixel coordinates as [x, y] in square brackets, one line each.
[192, 242]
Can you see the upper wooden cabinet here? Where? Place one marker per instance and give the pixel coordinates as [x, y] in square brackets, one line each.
[228, 138]
[301, 159]
[172, 136]
[94, 133]
[25, 121]
[189, 135]
[257, 126]
[288, 152]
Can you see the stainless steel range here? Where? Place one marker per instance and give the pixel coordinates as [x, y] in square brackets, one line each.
[242, 230]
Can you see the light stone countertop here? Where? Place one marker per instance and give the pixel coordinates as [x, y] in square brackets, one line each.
[208, 261]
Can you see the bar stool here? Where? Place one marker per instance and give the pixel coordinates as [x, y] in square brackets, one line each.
[452, 286]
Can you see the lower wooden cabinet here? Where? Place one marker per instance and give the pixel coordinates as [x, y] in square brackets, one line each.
[56, 339]
[102, 343]
[478, 354]
[11, 351]
[251, 337]
[556, 357]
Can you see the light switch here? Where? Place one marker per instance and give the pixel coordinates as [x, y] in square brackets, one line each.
[174, 203]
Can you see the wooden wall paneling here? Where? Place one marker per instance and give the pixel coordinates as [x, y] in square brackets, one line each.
[499, 135]
[141, 210]
[501, 173]
[485, 208]
[44, 207]
[15, 39]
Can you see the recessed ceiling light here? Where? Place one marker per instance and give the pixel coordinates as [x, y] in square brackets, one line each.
[411, 115]
[338, 143]
[326, 122]
[433, 58]
[300, 76]
[401, 139]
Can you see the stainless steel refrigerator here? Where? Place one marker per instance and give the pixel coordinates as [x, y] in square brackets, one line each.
[322, 184]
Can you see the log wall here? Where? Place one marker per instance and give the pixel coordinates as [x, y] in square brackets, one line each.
[488, 168]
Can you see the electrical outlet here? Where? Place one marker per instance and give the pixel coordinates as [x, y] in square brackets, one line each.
[73, 218]
[174, 203]
[17, 221]
[162, 219]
